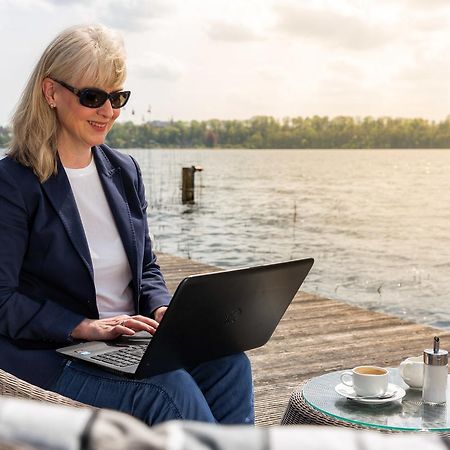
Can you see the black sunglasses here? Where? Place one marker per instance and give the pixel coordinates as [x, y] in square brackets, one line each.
[95, 98]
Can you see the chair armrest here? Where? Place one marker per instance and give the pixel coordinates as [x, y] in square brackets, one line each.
[12, 386]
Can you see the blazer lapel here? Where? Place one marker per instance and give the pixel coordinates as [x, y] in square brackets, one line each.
[60, 195]
[111, 179]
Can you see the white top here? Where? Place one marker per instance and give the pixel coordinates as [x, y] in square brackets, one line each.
[112, 273]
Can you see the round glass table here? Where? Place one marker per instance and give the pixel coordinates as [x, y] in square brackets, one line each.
[317, 402]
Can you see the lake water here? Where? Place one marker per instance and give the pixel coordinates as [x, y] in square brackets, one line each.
[377, 222]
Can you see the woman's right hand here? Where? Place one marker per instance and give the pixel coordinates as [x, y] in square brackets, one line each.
[113, 327]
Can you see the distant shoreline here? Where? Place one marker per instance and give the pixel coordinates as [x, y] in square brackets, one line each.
[4, 149]
[265, 132]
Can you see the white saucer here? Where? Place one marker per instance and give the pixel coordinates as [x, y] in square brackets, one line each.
[348, 392]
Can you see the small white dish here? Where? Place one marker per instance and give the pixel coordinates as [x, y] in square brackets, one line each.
[414, 388]
[348, 392]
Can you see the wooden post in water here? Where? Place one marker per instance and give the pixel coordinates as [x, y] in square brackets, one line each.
[187, 189]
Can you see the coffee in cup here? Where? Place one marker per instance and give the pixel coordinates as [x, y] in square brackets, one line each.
[411, 370]
[367, 381]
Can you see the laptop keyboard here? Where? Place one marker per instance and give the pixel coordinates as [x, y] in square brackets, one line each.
[123, 357]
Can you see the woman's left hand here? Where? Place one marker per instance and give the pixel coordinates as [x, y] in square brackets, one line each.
[159, 313]
[113, 327]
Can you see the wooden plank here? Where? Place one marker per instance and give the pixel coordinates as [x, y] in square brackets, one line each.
[315, 336]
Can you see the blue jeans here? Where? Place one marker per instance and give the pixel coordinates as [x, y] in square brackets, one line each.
[215, 391]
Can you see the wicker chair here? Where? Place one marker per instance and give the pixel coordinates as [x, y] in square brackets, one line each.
[12, 386]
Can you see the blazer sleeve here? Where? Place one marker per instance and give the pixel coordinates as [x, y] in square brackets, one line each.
[22, 317]
[153, 289]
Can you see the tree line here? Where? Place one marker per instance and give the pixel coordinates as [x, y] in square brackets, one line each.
[267, 132]
[288, 133]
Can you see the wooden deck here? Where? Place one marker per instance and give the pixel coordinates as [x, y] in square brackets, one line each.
[317, 335]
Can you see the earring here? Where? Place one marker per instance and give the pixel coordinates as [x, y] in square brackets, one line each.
[52, 105]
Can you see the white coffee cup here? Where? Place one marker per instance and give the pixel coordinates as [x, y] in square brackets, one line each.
[411, 370]
[367, 381]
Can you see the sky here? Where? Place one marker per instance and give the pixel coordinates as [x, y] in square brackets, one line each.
[236, 59]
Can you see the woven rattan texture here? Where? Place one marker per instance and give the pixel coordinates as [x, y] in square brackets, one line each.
[14, 387]
[300, 412]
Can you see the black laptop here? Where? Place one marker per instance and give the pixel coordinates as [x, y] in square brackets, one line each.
[211, 315]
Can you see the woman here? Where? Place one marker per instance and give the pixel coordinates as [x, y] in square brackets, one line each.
[76, 261]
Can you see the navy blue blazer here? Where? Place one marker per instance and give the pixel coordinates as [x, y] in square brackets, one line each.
[46, 275]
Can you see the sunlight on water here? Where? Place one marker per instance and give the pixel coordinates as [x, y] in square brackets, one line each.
[376, 222]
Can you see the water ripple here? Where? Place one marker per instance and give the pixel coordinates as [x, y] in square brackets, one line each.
[377, 222]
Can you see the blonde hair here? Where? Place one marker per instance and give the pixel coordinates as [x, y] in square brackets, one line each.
[91, 53]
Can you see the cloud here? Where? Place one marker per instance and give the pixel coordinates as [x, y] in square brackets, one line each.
[230, 32]
[345, 69]
[333, 28]
[125, 15]
[426, 74]
[271, 73]
[65, 3]
[430, 24]
[133, 15]
[155, 66]
[426, 4]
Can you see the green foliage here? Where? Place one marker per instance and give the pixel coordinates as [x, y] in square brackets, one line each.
[4, 137]
[298, 132]
[267, 132]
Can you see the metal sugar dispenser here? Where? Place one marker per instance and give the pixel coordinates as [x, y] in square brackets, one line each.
[435, 374]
